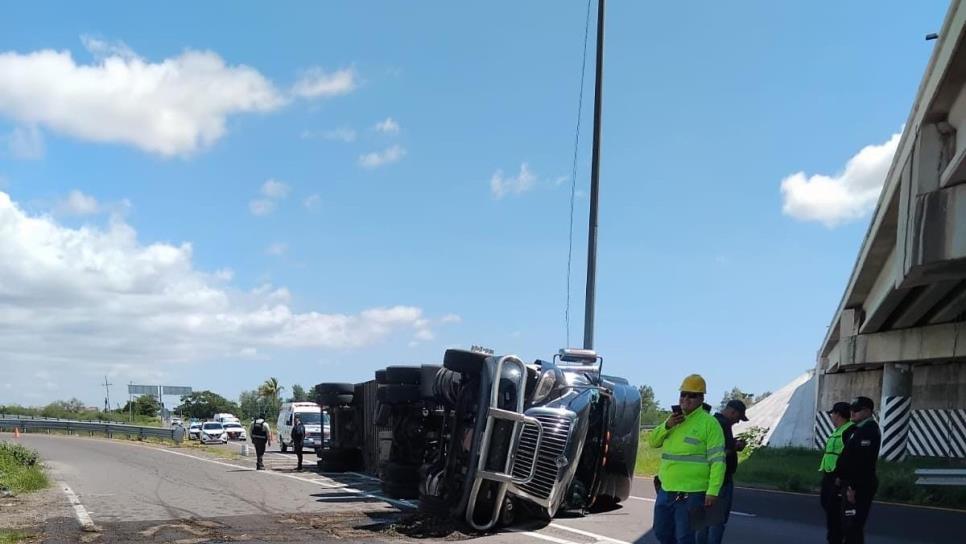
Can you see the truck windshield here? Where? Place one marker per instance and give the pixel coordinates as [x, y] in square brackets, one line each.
[310, 418]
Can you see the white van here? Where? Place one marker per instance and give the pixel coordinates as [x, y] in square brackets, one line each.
[316, 424]
[226, 418]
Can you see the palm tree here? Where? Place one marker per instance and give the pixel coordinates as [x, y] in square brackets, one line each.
[271, 391]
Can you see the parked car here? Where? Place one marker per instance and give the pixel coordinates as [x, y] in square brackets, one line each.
[488, 438]
[312, 417]
[235, 431]
[225, 418]
[176, 421]
[213, 432]
[194, 431]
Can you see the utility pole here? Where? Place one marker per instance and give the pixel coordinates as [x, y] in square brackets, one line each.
[107, 395]
[130, 401]
[594, 187]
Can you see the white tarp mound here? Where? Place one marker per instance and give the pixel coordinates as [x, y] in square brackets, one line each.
[788, 414]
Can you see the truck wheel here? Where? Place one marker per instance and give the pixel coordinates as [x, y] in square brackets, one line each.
[398, 394]
[427, 380]
[399, 473]
[403, 375]
[340, 460]
[464, 361]
[400, 491]
[334, 399]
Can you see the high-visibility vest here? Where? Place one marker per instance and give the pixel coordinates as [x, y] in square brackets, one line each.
[693, 456]
[833, 448]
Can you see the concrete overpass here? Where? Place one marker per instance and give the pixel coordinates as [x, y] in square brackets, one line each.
[899, 333]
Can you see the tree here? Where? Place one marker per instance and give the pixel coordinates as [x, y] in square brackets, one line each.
[736, 394]
[63, 408]
[651, 412]
[298, 394]
[250, 404]
[145, 405]
[205, 404]
[761, 397]
[271, 391]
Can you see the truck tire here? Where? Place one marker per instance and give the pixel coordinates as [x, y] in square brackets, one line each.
[381, 377]
[340, 460]
[334, 399]
[464, 361]
[399, 473]
[428, 379]
[394, 394]
[400, 491]
[339, 388]
[408, 375]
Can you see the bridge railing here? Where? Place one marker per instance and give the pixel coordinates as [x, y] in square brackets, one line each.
[109, 429]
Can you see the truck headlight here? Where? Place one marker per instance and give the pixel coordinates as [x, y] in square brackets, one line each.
[544, 386]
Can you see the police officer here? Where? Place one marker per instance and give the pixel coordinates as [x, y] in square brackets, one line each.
[856, 470]
[261, 436]
[692, 464]
[298, 437]
[733, 413]
[831, 496]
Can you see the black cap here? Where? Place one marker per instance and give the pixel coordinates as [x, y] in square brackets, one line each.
[739, 407]
[859, 403]
[843, 409]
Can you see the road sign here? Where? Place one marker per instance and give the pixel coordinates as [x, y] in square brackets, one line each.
[174, 390]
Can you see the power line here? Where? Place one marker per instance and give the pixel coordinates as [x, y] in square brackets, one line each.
[573, 171]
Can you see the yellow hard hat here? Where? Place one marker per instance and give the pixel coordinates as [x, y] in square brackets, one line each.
[694, 384]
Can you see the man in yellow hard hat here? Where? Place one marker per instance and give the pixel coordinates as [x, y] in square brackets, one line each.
[692, 464]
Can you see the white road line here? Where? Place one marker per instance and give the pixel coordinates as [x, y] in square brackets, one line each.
[541, 536]
[599, 538]
[647, 499]
[340, 487]
[82, 516]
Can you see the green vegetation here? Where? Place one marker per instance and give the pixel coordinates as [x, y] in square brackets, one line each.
[75, 409]
[204, 405]
[11, 536]
[20, 469]
[796, 469]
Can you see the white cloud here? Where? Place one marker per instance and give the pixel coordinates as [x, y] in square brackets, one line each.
[90, 301]
[174, 107]
[451, 318]
[77, 203]
[261, 206]
[277, 249]
[501, 186]
[377, 159]
[387, 126]
[849, 195]
[275, 189]
[312, 202]
[341, 134]
[315, 83]
[26, 143]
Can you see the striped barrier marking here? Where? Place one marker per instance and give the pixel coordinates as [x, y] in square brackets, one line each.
[896, 414]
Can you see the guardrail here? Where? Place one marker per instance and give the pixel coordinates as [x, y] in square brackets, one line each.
[20, 416]
[941, 476]
[28, 424]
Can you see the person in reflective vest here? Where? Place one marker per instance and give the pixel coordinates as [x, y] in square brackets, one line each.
[692, 467]
[831, 494]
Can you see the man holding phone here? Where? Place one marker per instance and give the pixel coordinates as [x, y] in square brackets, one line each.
[692, 464]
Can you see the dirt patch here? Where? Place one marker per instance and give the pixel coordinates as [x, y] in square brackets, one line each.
[31, 512]
[423, 526]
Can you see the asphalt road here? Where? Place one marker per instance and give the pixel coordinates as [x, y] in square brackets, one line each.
[141, 493]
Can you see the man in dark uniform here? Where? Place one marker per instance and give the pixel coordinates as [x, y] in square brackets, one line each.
[831, 496]
[856, 470]
[298, 438]
[261, 436]
[733, 413]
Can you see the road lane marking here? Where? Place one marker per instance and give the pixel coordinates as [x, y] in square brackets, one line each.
[340, 487]
[541, 536]
[82, 516]
[647, 499]
[599, 538]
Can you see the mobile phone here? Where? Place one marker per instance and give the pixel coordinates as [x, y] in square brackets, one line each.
[676, 409]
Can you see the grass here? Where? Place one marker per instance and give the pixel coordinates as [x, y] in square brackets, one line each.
[10, 536]
[20, 469]
[796, 469]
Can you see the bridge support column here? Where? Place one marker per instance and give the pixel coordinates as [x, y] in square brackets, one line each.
[895, 410]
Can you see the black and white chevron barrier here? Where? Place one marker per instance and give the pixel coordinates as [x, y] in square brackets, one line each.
[823, 429]
[938, 433]
[894, 419]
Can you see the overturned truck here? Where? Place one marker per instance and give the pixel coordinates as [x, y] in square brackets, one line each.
[488, 438]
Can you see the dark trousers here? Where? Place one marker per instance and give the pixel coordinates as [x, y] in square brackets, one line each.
[259, 451]
[855, 525]
[832, 504]
[297, 446]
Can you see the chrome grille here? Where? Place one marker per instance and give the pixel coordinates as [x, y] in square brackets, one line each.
[556, 433]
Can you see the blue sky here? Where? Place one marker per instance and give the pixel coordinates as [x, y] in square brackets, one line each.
[208, 197]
